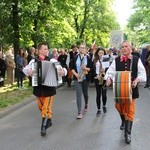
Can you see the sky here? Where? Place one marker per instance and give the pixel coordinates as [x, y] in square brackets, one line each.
[123, 9]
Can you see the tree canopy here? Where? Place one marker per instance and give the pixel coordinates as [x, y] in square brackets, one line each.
[139, 21]
[61, 23]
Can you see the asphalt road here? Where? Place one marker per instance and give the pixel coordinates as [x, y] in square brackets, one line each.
[20, 130]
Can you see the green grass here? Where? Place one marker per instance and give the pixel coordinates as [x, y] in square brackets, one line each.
[10, 95]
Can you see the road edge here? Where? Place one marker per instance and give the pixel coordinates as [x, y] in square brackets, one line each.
[15, 107]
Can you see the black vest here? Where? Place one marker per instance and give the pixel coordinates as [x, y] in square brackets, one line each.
[41, 90]
[89, 65]
[72, 55]
[125, 66]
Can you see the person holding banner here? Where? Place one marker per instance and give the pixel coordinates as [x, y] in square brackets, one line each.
[126, 105]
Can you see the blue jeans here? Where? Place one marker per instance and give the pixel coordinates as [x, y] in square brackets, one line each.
[81, 87]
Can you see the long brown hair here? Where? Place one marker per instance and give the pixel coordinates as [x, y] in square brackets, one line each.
[96, 56]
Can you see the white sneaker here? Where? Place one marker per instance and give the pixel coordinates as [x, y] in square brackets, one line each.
[80, 115]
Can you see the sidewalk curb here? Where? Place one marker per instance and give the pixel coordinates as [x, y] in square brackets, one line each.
[15, 107]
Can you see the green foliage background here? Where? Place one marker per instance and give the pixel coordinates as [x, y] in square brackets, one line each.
[61, 23]
[139, 22]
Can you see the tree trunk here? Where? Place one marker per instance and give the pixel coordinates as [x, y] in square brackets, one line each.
[84, 20]
[15, 24]
[35, 23]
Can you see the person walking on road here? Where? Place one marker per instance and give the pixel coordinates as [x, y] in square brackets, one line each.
[44, 94]
[99, 73]
[126, 108]
[70, 57]
[81, 66]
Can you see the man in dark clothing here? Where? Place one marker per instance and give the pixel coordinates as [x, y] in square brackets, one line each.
[147, 67]
[70, 57]
[2, 71]
[135, 52]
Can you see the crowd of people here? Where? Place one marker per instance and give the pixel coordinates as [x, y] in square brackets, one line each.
[11, 70]
[82, 65]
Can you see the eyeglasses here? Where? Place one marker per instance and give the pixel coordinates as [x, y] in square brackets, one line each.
[124, 46]
[82, 47]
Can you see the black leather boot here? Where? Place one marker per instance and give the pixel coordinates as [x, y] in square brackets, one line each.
[128, 128]
[49, 123]
[122, 127]
[43, 126]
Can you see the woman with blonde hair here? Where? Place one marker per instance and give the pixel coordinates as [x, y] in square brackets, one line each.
[81, 66]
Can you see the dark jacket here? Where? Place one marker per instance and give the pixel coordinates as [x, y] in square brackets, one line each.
[62, 59]
[30, 57]
[89, 65]
[2, 67]
[146, 58]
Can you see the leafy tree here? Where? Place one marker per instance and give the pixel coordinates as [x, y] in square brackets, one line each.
[139, 22]
[91, 20]
[6, 30]
[61, 23]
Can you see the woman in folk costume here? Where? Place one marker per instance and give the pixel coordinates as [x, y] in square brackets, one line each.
[126, 108]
